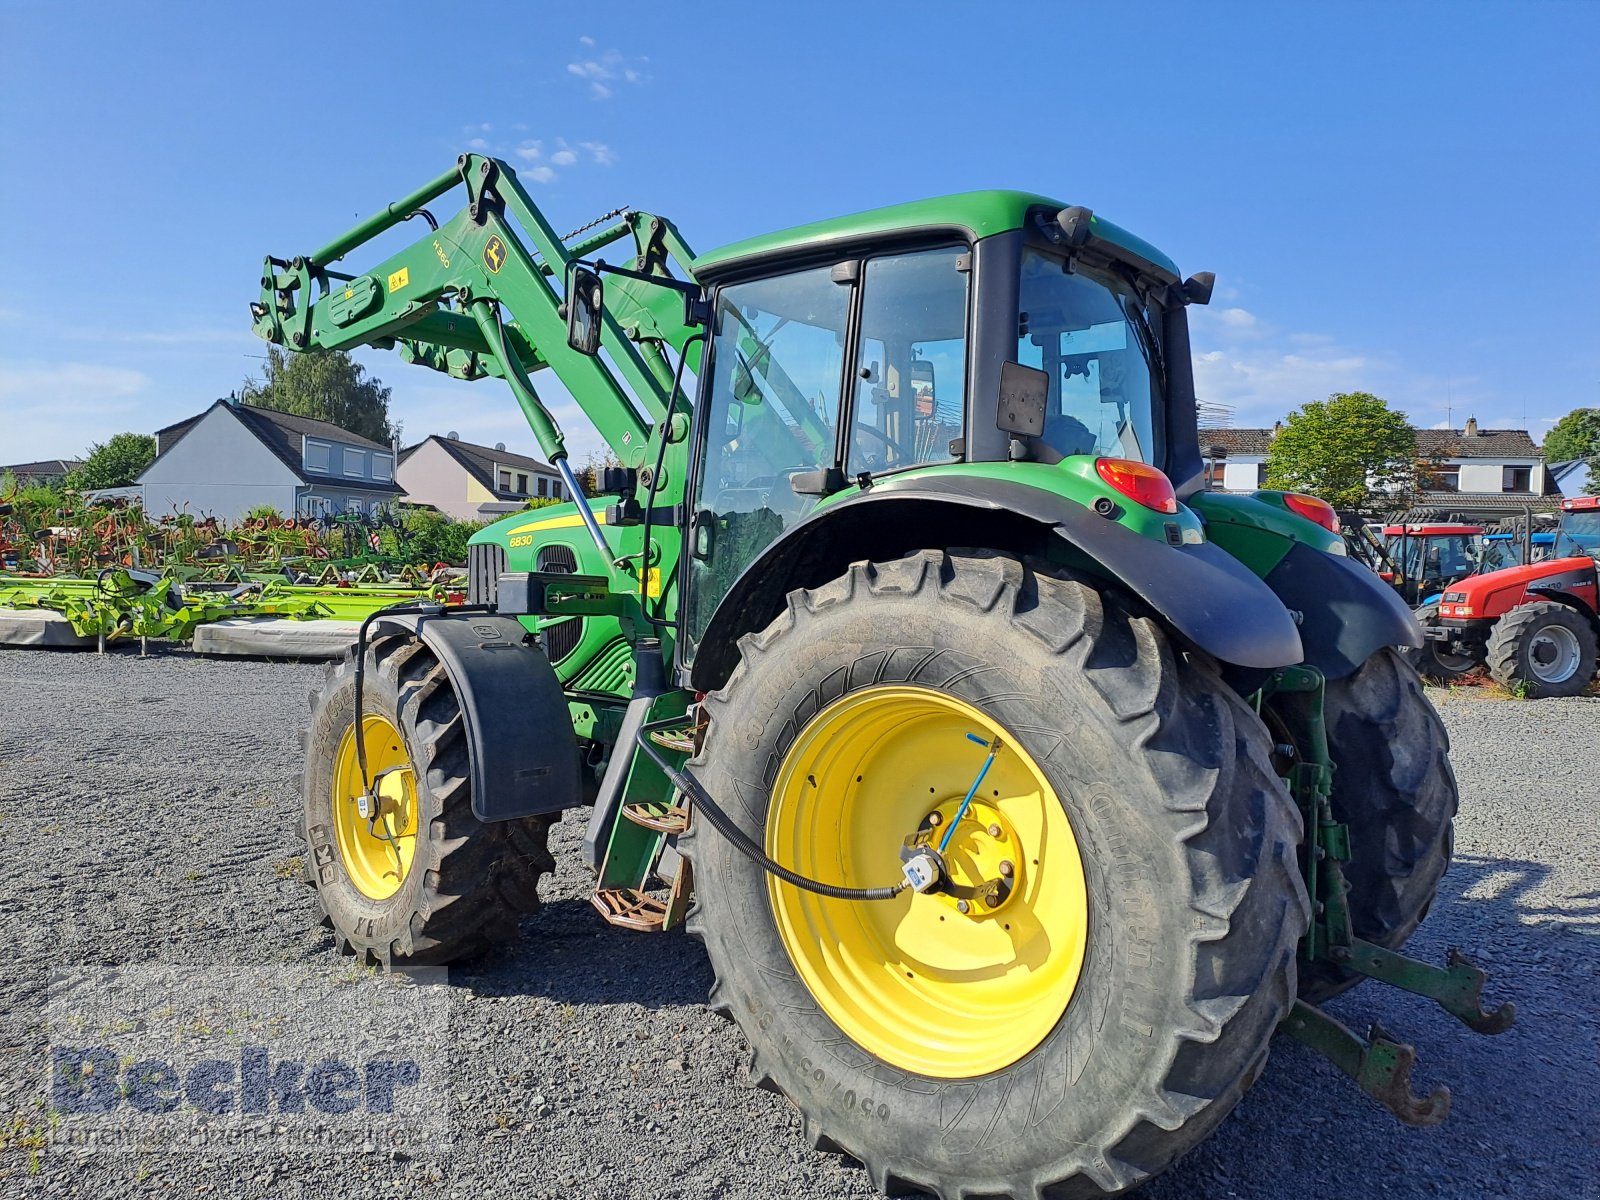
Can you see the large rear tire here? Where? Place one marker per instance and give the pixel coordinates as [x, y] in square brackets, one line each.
[427, 883]
[1543, 648]
[1395, 791]
[1175, 970]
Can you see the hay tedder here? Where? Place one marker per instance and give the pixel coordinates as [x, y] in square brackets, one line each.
[1019, 788]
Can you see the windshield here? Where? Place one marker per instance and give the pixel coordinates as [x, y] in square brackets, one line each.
[1442, 558]
[1098, 342]
[1584, 529]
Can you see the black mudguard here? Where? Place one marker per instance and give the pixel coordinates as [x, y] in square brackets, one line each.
[1202, 593]
[520, 745]
[1345, 611]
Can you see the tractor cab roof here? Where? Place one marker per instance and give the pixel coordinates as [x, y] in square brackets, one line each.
[975, 214]
[1432, 530]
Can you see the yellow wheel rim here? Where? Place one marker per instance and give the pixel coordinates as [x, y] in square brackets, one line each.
[917, 981]
[377, 854]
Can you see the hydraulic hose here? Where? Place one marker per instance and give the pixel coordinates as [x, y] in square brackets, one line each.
[398, 610]
[725, 825]
[655, 484]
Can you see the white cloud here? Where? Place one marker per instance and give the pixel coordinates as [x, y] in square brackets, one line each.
[564, 158]
[1238, 318]
[604, 70]
[541, 174]
[529, 151]
[602, 154]
[477, 143]
[1263, 383]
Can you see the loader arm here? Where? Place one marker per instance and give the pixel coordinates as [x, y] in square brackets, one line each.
[480, 295]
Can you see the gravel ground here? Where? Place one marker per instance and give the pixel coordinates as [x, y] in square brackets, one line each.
[146, 815]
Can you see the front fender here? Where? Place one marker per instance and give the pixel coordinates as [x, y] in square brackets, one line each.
[521, 751]
[1198, 591]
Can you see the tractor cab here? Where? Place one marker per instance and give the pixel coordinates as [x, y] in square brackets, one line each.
[1425, 557]
[846, 355]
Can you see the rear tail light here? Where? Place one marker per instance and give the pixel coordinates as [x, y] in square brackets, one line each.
[1313, 509]
[1139, 482]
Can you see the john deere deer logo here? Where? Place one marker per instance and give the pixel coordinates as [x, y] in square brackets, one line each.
[494, 254]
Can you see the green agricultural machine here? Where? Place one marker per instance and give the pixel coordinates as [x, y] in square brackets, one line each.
[1019, 788]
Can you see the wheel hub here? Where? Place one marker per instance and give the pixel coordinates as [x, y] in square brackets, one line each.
[375, 830]
[981, 862]
[1554, 654]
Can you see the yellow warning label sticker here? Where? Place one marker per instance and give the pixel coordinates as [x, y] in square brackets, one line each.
[653, 582]
[399, 279]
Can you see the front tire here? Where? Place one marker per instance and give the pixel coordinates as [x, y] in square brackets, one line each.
[1184, 837]
[433, 884]
[1432, 663]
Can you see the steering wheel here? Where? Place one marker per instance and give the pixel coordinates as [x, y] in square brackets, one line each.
[893, 444]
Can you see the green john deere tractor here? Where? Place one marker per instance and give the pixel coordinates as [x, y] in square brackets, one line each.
[1018, 787]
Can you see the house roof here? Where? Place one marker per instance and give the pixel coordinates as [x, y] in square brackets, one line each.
[1468, 503]
[1484, 443]
[1431, 443]
[1236, 441]
[44, 467]
[281, 433]
[480, 462]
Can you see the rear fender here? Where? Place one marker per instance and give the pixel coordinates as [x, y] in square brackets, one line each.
[521, 750]
[1345, 611]
[1199, 592]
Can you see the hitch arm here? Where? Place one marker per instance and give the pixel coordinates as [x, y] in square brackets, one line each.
[1380, 1065]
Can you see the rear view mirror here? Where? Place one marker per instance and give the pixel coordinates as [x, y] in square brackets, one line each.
[585, 301]
[1024, 396]
[922, 386]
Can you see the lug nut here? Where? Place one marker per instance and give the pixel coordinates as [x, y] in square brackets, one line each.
[934, 818]
[1006, 868]
[962, 906]
[994, 831]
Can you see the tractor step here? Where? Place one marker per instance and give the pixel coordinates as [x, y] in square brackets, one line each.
[629, 908]
[1380, 1065]
[681, 740]
[674, 818]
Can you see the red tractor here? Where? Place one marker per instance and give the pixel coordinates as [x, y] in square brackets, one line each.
[1535, 625]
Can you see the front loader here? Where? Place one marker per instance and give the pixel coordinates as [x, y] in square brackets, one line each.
[1018, 787]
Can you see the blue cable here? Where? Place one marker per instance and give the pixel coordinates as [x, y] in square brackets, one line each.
[994, 748]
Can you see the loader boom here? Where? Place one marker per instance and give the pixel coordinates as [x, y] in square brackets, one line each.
[481, 295]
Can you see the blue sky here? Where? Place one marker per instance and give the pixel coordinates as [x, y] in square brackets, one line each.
[1399, 198]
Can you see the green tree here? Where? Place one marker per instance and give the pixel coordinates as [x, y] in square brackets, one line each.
[1576, 435]
[1351, 450]
[114, 463]
[327, 385]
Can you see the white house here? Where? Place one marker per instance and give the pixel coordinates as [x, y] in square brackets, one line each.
[471, 482]
[234, 457]
[1467, 468]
